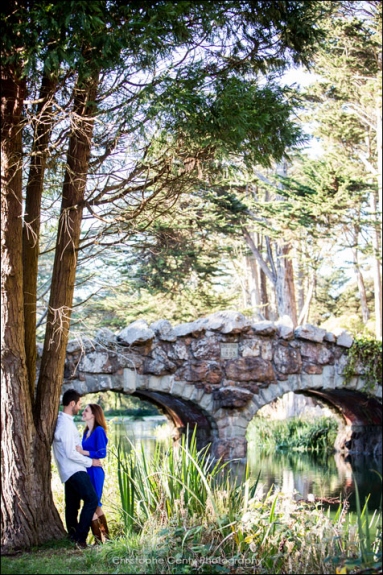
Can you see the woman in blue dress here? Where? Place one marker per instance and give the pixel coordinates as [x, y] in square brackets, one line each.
[94, 444]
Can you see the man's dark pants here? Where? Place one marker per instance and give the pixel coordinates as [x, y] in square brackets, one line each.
[79, 487]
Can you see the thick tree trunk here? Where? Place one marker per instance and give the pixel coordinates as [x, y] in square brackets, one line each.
[32, 217]
[64, 268]
[29, 516]
[26, 501]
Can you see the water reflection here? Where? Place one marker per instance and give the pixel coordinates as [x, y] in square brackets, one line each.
[326, 476]
[300, 474]
[142, 432]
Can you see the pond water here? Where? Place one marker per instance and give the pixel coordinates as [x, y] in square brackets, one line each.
[301, 474]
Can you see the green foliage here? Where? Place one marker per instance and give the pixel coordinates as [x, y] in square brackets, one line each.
[365, 357]
[114, 404]
[368, 556]
[179, 476]
[295, 433]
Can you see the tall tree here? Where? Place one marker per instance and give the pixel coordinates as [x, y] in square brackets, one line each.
[347, 105]
[106, 69]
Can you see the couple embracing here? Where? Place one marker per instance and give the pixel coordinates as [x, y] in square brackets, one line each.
[80, 468]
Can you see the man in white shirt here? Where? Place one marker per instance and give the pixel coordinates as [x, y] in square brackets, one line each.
[72, 470]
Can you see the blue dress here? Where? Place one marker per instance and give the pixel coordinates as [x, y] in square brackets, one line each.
[96, 445]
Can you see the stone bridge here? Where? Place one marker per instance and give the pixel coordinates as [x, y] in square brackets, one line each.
[217, 372]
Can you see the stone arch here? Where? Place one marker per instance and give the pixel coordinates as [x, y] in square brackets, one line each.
[220, 371]
[361, 413]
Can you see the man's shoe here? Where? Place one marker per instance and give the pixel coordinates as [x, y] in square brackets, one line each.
[81, 544]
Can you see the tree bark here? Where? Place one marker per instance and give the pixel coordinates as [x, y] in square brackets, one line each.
[16, 424]
[285, 289]
[32, 220]
[29, 516]
[361, 287]
[22, 512]
[378, 235]
[64, 268]
[376, 242]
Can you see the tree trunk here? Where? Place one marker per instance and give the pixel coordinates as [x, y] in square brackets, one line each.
[64, 268]
[361, 287]
[29, 516]
[264, 295]
[254, 288]
[285, 289]
[378, 235]
[376, 241]
[32, 217]
[16, 423]
[22, 512]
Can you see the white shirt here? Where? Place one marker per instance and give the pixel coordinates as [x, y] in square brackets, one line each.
[66, 437]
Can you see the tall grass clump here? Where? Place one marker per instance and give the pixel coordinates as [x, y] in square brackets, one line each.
[172, 481]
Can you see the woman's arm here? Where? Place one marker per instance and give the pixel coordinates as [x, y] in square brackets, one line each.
[99, 443]
[82, 451]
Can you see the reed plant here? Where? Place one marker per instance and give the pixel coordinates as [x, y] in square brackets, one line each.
[173, 479]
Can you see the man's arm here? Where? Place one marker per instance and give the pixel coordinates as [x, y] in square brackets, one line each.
[69, 446]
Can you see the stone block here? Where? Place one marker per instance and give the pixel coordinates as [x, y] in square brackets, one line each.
[142, 381]
[328, 377]
[188, 391]
[105, 337]
[194, 328]
[178, 388]
[311, 381]
[163, 330]
[250, 369]
[330, 337]
[130, 381]
[267, 328]
[95, 362]
[154, 383]
[310, 332]
[206, 348]
[287, 359]
[312, 368]
[178, 351]
[232, 397]
[341, 364]
[285, 327]
[343, 338]
[197, 395]
[227, 322]
[360, 383]
[137, 332]
[159, 363]
[285, 386]
[207, 402]
[266, 396]
[117, 381]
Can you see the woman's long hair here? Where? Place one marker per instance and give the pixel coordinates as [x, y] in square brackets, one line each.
[99, 417]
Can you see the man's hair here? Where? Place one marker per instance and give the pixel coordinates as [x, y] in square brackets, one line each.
[70, 395]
